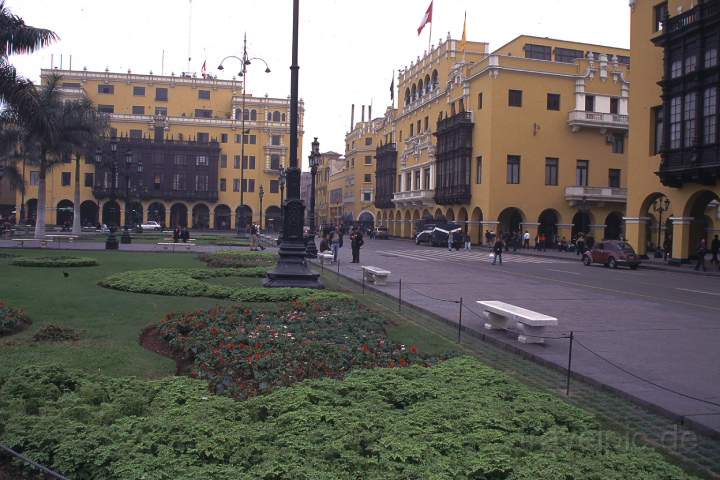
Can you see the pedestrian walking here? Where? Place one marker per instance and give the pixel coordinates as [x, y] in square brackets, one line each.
[468, 243]
[580, 244]
[253, 237]
[184, 234]
[488, 237]
[334, 244]
[714, 249]
[450, 241]
[498, 250]
[542, 242]
[667, 247]
[701, 251]
[356, 241]
[526, 240]
[176, 234]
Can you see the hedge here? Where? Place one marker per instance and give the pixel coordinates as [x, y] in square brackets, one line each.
[12, 319]
[62, 262]
[457, 420]
[238, 259]
[191, 283]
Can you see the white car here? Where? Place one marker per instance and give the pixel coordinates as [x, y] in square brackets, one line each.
[151, 225]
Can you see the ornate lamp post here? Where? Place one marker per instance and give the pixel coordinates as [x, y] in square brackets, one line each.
[281, 184]
[244, 61]
[660, 206]
[125, 238]
[261, 194]
[292, 269]
[314, 159]
[111, 243]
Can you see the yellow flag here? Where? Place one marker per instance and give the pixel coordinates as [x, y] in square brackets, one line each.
[464, 37]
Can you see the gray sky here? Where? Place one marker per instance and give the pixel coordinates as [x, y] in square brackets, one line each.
[348, 48]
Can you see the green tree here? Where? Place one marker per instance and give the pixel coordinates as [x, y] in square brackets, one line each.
[55, 129]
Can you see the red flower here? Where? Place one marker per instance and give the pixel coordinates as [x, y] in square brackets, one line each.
[365, 347]
[413, 349]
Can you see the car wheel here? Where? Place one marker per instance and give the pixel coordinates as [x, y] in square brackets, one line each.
[612, 263]
[633, 267]
[586, 260]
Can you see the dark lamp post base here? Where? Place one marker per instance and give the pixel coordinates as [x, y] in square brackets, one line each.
[125, 237]
[292, 269]
[310, 247]
[111, 243]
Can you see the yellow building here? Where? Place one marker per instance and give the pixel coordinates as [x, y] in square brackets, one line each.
[674, 161]
[183, 139]
[529, 137]
[329, 162]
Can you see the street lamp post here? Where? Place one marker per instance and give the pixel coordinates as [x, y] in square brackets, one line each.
[281, 184]
[111, 243]
[261, 194]
[125, 238]
[660, 206]
[314, 159]
[292, 268]
[244, 61]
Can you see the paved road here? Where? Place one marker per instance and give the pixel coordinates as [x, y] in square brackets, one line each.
[661, 326]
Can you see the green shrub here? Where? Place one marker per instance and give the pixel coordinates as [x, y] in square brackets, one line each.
[62, 262]
[238, 259]
[244, 353]
[191, 283]
[55, 333]
[12, 320]
[457, 420]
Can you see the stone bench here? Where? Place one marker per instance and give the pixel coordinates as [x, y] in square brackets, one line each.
[167, 245]
[375, 275]
[325, 256]
[528, 324]
[21, 241]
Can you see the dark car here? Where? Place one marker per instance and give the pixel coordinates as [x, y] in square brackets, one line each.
[382, 233]
[424, 233]
[612, 253]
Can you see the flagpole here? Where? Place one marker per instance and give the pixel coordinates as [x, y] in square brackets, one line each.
[430, 37]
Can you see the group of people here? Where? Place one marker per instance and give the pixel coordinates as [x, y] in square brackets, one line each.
[181, 233]
[702, 250]
[332, 240]
[255, 238]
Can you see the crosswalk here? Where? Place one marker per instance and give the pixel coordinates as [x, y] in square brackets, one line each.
[463, 256]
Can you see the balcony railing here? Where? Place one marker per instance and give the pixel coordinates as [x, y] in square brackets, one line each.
[457, 119]
[145, 193]
[414, 197]
[576, 195]
[580, 118]
[692, 16]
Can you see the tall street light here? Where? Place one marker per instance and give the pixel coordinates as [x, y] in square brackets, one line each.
[111, 243]
[314, 160]
[261, 194]
[244, 61]
[125, 238]
[281, 183]
[660, 206]
[292, 268]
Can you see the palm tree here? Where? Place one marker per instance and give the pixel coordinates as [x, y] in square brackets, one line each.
[17, 38]
[86, 150]
[54, 129]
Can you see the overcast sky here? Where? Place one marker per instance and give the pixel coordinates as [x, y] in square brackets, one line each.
[348, 48]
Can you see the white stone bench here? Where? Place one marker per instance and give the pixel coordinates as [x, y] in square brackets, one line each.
[325, 256]
[375, 275]
[168, 245]
[21, 241]
[528, 324]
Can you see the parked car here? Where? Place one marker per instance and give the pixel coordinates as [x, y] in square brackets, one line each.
[424, 233]
[612, 253]
[382, 233]
[437, 235]
[151, 225]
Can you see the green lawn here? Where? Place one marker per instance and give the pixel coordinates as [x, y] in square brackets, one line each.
[110, 320]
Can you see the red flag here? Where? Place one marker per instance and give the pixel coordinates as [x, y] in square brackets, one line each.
[426, 19]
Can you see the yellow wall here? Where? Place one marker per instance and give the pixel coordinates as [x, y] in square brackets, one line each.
[183, 99]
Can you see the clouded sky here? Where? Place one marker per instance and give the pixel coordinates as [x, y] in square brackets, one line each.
[348, 48]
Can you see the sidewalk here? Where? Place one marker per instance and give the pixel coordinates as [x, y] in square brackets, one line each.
[650, 263]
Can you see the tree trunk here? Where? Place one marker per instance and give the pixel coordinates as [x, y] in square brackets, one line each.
[76, 227]
[41, 207]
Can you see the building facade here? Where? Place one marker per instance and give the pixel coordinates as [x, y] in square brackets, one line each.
[328, 164]
[674, 162]
[529, 137]
[176, 154]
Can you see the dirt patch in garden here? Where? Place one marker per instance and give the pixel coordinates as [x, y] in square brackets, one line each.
[151, 339]
[9, 471]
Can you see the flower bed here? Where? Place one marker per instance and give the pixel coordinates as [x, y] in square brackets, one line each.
[62, 262]
[457, 420]
[243, 353]
[191, 283]
[12, 320]
[55, 333]
[238, 259]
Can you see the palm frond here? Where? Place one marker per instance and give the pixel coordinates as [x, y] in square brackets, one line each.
[14, 176]
[17, 38]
